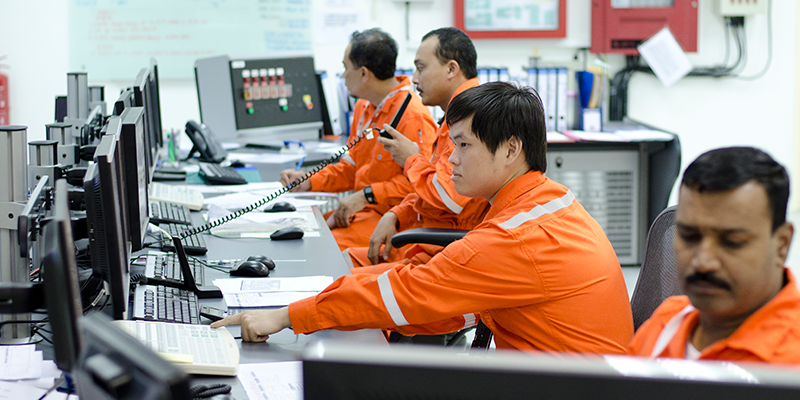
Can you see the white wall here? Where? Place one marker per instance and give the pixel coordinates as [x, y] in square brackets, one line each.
[705, 112]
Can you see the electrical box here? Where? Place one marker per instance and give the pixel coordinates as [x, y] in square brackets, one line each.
[618, 26]
[740, 8]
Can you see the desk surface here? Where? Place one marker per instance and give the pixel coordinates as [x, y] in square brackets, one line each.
[309, 256]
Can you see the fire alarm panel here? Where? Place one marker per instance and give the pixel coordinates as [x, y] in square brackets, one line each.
[618, 26]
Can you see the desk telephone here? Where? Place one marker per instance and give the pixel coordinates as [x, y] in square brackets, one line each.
[205, 142]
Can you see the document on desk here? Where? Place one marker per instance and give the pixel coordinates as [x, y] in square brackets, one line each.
[20, 362]
[273, 292]
[261, 225]
[244, 199]
[278, 380]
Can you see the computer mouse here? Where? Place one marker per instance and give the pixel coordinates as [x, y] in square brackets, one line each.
[289, 233]
[237, 164]
[264, 260]
[250, 269]
[281, 206]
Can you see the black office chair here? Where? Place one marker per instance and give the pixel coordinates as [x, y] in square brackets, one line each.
[658, 276]
[442, 237]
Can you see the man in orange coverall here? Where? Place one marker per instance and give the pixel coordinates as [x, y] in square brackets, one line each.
[446, 65]
[538, 270]
[368, 169]
[731, 243]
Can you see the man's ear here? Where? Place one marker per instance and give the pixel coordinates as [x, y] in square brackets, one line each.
[453, 69]
[513, 149]
[784, 235]
[364, 73]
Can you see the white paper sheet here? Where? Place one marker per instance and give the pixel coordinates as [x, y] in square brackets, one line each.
[645, 135]
[278, 380]
[305, 283]
[20, 362]
[665, 56]
[265, 299]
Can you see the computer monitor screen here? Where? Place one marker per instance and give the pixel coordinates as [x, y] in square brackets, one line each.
[125, 100]
[104, 213]
[113, 127]
[60, 271]
[133, 149]
[154, 105]
[141, 88]
[346, 371]
[114, 365]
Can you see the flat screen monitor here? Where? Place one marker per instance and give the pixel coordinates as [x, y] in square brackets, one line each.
[115, 365]
[133, 148]
[154, 105]
[141, 88]
[347, 371]
[125, 100]
[104, 213]
[60, 271]
[113, 127]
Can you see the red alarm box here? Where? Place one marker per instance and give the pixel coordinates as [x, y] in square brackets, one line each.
[619, 28]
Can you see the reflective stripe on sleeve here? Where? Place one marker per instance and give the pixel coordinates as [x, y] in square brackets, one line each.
[387, 295]
[469, 320]
[452, 205]
[540, 210]
[348, 159]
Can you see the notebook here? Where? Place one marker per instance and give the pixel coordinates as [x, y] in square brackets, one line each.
[197, 349]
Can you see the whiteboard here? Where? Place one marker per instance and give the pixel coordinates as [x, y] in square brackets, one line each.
[114, 39]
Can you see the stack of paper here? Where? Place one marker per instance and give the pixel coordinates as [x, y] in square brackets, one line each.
[24, 373]
[272, 292]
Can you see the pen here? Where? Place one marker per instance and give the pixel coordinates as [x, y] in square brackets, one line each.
[300, 164]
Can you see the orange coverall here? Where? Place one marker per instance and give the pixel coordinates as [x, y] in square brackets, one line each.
[368, 164]
[771, 334]
[539, 270]
[433, 202]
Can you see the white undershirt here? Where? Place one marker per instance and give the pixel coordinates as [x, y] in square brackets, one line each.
[691, 353]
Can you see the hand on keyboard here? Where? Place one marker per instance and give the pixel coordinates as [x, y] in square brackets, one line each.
[257, 325]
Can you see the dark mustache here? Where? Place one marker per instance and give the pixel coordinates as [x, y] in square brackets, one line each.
[707, 277]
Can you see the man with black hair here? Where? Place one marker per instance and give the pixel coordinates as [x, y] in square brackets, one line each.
[446, 65]
[539, 271]
[368, 169]
[731, 243]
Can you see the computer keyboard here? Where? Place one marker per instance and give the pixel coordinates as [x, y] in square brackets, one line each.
[159, 303]
[163, 212]
[166, 266]
[177, 194]
[214, 174]
[195, 245]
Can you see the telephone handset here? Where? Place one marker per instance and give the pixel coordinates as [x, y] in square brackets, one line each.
[230, 217]
[205, 143]
[396, 119]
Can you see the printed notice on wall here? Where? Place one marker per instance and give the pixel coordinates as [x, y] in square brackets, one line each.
[115, 39]
[511, 15]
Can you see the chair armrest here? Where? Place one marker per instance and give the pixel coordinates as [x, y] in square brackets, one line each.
[437, 236]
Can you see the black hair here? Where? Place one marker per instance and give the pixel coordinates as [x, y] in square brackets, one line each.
[729, 168]
[501, 111]
[455, 45]
[376, 50]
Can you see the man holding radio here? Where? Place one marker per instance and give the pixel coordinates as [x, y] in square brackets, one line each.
[368, 169]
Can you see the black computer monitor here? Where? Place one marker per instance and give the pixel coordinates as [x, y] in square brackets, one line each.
[141, 88]
[104, 213]
[133, 148]
[115, 365]
[357, 371]
[154, 105]
[60, 272]
[125, 100]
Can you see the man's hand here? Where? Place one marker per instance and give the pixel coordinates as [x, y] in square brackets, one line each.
[347, 206]
[400, 146]
[382, 235]
[289, 175]
[257, 325]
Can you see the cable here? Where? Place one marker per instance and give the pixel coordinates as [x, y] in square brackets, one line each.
[769, 47]
[273, 196]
